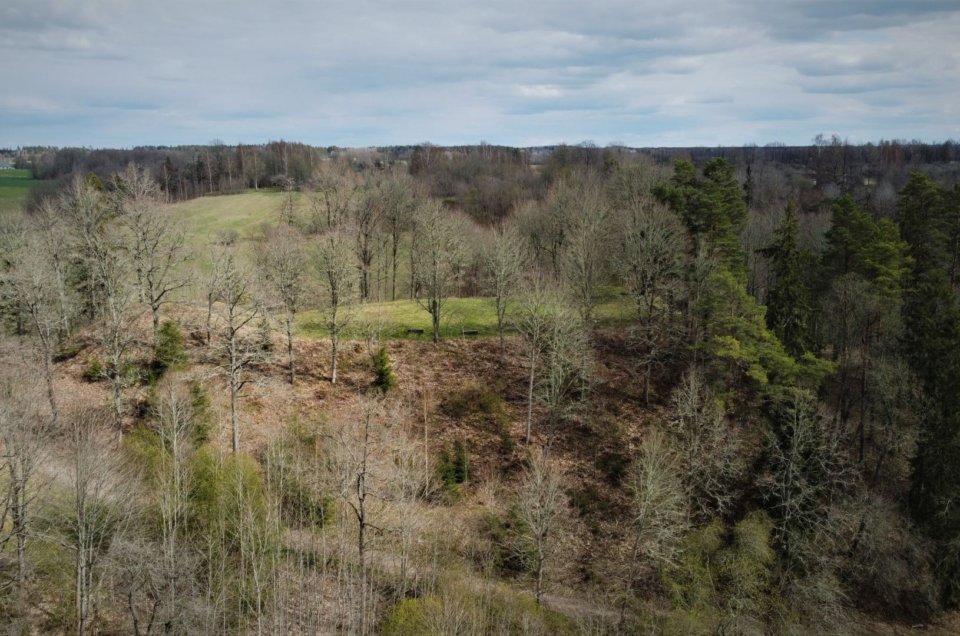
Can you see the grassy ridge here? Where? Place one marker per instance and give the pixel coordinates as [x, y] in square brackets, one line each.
[14, 186]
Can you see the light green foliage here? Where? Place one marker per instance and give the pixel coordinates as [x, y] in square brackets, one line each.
[463, 314]
[230, 516]
[738, 339]
[412, 617]
[723, 574]
[746, 566]
[491, 610]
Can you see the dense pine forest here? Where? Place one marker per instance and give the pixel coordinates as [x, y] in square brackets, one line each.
[481, 390]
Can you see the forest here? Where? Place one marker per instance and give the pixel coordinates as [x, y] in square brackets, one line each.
[482, 390]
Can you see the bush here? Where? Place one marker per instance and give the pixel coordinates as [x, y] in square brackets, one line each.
[168, 351]
[412, 617]
[385, 379]
[459, 610]
[453, 466]
[202, 415]
[93, 371]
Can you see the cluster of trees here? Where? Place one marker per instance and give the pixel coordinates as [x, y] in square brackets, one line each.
[797, 383]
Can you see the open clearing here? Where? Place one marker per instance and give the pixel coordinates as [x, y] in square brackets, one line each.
[14, 186]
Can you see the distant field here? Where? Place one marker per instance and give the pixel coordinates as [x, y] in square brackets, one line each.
[204, 219]
[14, 185]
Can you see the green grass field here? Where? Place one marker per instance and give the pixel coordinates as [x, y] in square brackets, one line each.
[463, 314]
[204, 219]
[14, 186]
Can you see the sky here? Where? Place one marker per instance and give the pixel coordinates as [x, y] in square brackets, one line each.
[122, 73]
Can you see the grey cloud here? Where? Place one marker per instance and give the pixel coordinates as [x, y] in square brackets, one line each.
[376, 71]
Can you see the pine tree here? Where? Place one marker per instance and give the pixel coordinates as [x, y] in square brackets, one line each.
[788, 300]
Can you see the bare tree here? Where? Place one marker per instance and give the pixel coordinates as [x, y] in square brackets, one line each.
[651, 263]
[531, 319]
[238, 310]
[658, 510]
[585, 254]
[399, 206]
[541, 505]
[282, 261]
[708, 446]
[83, 204]
[174, 417]
[439, 257]
[24, 438]
[32, 284]
[288, 208]
[154, 243]
[52, 233]
[214, 278]
[505, 261]
[359, 469]
[566, 361]
[808, 475]
[334, 197]
[102, 499]
[333, 267]
[367, 216]
[116, 320]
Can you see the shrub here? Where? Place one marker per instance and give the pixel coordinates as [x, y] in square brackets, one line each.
[385, 379]
[454, 465]
[457, 609]
[168, 351]
[202, 415]
[93, 371]
[412, 617]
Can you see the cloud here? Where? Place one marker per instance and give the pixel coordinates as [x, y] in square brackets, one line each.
[122, 72]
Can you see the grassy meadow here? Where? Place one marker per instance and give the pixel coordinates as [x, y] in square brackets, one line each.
[14, 186]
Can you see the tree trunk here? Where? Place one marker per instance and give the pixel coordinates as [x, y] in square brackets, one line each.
[540, 560]
[234, 389]
[293, 370]
[155, 311]
[334, 341]
[393, 286]
[533, 367]
[51, 395]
